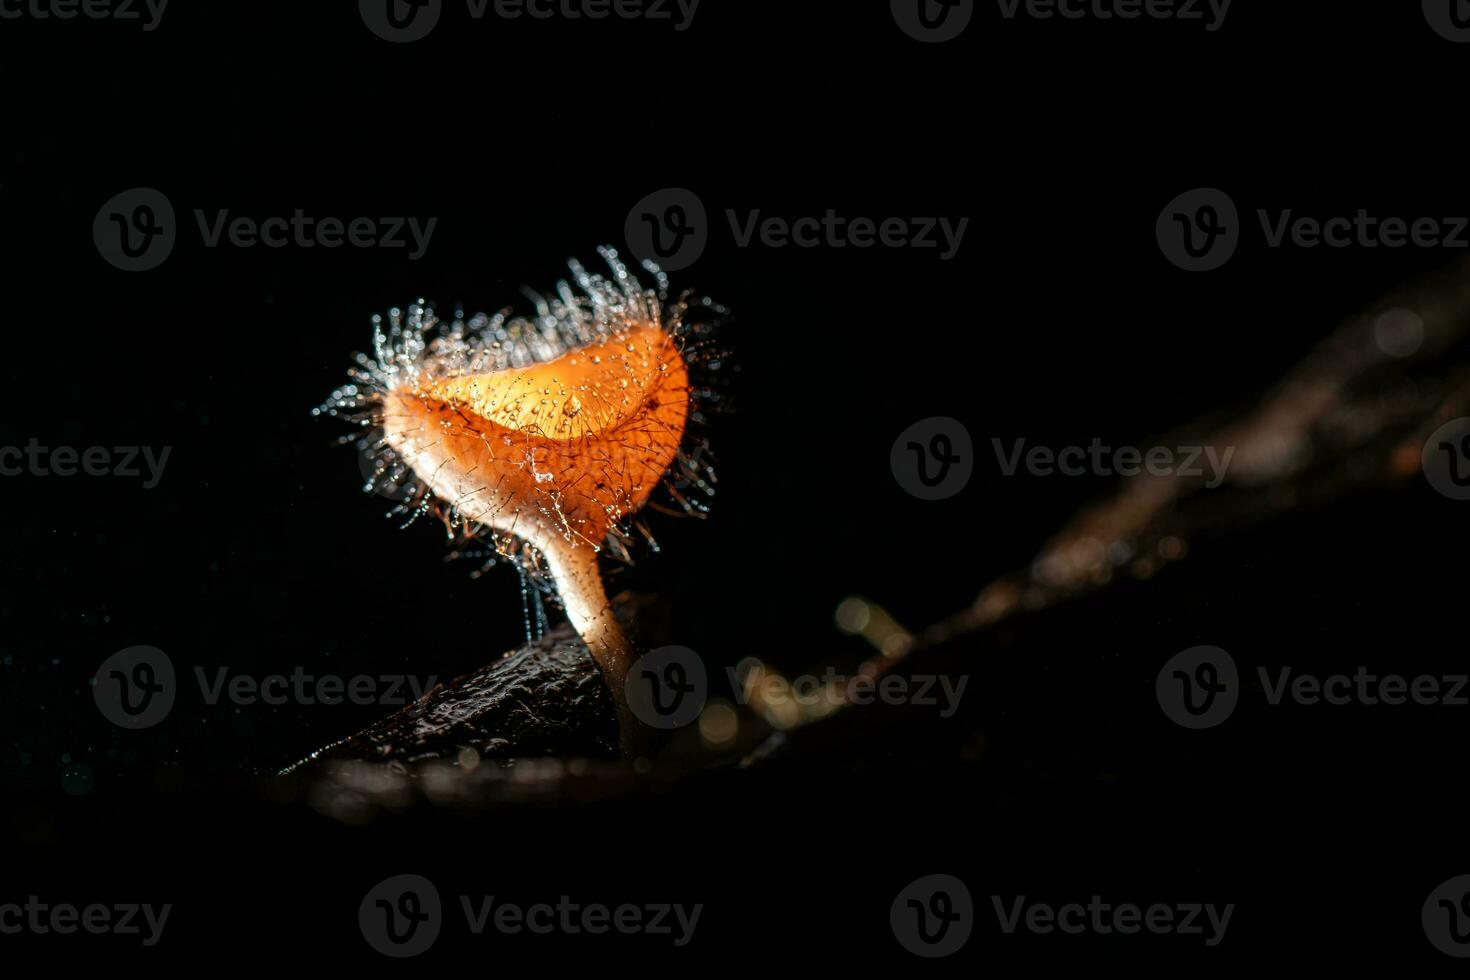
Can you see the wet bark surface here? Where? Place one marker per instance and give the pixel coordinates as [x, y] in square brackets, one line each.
[545, 698]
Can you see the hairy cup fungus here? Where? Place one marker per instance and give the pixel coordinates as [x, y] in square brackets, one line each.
[546, 433]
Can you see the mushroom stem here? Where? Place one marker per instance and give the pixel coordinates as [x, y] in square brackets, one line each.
[573, 566]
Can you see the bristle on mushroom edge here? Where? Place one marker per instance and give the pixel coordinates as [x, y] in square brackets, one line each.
[578, 451]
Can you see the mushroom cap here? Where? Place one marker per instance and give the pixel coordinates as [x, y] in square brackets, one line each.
[563, 449]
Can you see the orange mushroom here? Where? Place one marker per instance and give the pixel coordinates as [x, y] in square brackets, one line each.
[555, 454]
[552, 431]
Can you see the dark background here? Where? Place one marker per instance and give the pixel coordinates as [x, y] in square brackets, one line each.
[1058, 321]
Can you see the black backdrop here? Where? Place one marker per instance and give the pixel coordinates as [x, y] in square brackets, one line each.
[1057, 321]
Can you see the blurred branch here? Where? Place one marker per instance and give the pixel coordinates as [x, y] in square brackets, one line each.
[1354, 412]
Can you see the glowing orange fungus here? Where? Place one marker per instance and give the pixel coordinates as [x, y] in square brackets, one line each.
[548, 432]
